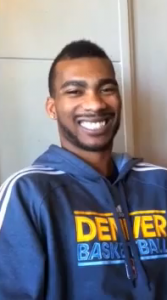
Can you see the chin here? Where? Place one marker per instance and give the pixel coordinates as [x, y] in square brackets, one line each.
[95, 147]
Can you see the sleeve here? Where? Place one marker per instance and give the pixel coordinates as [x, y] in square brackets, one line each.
[22, 259]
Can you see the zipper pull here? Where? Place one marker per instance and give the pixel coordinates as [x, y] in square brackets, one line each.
[133, 270]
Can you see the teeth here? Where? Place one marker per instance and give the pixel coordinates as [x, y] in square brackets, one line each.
[93, 125]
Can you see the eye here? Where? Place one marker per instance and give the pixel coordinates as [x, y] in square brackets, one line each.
[74, 93]
[109, 90]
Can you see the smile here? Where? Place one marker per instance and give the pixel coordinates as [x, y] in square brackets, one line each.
[93, 125]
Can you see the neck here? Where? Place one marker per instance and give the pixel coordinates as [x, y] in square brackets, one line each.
[100, 161]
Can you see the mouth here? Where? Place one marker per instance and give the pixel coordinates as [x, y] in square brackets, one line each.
[96, 124]
[93, 125]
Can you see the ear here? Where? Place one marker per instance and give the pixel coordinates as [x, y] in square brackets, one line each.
[51, 108]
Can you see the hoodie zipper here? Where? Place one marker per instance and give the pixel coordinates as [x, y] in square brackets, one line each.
[125, 232]
[129, 261]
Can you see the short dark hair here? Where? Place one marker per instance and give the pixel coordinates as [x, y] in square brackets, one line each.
[74, 50]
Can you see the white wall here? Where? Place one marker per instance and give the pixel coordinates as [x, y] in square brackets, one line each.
[150, 37]
[32, 33]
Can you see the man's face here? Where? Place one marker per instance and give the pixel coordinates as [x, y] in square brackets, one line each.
[87, 103]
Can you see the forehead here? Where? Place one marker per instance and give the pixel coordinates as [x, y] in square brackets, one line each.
[84, 68]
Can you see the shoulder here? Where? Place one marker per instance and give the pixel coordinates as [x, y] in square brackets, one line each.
[26, 189]
[150, 174]
[28, 179]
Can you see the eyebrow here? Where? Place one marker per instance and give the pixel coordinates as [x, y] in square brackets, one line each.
[105, 81]
[77, 83]
[84, 84]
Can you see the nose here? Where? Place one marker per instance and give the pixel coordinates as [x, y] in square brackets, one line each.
[94, 102]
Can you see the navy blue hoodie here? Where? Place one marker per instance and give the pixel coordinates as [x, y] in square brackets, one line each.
[66, 232]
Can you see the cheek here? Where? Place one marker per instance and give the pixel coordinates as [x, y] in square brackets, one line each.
[65, 113]
[114, 102]
[67, 107]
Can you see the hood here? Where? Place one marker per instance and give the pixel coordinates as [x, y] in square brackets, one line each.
[63, 160]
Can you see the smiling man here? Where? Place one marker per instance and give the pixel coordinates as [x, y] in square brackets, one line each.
[86, 103]
[82, 222]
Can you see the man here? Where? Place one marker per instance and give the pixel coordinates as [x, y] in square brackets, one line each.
[80, 223]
